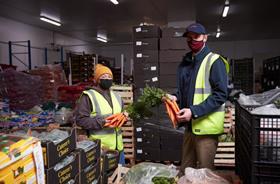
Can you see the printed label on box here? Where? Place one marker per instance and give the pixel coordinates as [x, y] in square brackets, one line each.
[153, 68]
[139, 55]
[138, 43]
[138, 29]
[139, 151]
[139, 139]
[154, 79]
[138, 129]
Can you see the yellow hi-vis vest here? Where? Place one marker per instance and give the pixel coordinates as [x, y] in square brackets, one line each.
[110, 137]
[212, 123]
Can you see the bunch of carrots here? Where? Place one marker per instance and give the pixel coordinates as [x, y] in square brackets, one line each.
[172, 109]
[116, 120]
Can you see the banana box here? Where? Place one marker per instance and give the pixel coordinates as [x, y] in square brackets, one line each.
[13, 148]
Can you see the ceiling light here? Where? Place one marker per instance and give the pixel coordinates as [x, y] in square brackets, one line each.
[51, 21]
[225, 11]
[218, 34]
[102, 39]
[114, 2]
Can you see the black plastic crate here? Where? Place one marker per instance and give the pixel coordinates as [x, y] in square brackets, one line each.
[257, 146]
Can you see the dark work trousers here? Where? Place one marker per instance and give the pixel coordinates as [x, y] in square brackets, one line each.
[198, 151]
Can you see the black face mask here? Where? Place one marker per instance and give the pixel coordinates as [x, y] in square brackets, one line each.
[105, 83]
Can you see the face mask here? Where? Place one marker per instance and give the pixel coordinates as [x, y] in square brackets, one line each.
[195, 46]
[105, 83]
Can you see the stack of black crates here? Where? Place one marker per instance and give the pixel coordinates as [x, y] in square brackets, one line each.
[257, 151]
[81, 67]
[157, 54]
[271, 70]
[243, 75]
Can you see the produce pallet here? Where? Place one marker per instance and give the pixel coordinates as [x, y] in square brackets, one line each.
[225, 156]
[126, 93]
[128, 141]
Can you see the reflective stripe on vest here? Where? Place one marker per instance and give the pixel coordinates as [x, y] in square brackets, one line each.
[212, 123]
[110, 138]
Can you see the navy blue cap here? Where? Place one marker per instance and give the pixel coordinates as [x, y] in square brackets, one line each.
[195, 28]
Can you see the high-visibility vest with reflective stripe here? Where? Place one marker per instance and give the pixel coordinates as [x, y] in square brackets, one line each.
[212, 123]
[110, 137]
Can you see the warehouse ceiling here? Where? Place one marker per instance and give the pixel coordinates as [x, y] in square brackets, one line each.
[83, 19]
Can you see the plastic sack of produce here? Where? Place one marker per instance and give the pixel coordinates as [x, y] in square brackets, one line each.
[201, 176]
[149, 173]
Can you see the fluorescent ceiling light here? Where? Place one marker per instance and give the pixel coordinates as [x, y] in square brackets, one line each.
[102, 39]
[51, 21]
[218, 34]
[225, 11]
[114, 2]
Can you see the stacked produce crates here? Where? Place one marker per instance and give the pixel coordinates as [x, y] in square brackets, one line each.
[243, 75]
[89, 167]
[271, 69]
[81, 67]
[257, 152]
[157, 143]
[110, 160]
[146, 56]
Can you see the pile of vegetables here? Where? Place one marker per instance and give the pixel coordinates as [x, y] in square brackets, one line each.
[163, 180]
[116, 120]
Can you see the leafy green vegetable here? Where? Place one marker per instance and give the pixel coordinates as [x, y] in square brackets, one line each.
[151, 97]
[163, 180]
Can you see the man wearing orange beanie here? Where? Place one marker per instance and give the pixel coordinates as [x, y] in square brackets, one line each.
[95, 105]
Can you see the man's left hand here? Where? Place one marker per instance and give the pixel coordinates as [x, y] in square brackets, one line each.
[184, 115]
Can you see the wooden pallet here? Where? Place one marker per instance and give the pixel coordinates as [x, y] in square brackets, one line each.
[118, 174]
[225, 155]
[128, 141]
[125, 92]
[229, 120]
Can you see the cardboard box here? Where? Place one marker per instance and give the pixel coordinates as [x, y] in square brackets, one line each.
[170, 56]
[150, 68]
[54, 153]
[64, 174]
[146, 32]
[110, 160]
[169, 68]
[91, 173]
[179, 43]
[168, 81]
[170, 32]
[91, 156]
[75, 180]
[140, 44]
[151, 56]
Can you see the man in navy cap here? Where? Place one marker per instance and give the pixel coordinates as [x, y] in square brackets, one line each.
[201, 94]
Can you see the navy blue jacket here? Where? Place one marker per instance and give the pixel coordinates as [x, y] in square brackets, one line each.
[186, 77]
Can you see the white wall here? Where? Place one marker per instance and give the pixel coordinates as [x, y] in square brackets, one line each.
[11, 30]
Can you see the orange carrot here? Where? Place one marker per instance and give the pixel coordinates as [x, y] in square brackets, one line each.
[176, 106]
[122, 122]
[171, 114]
[172, 105]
